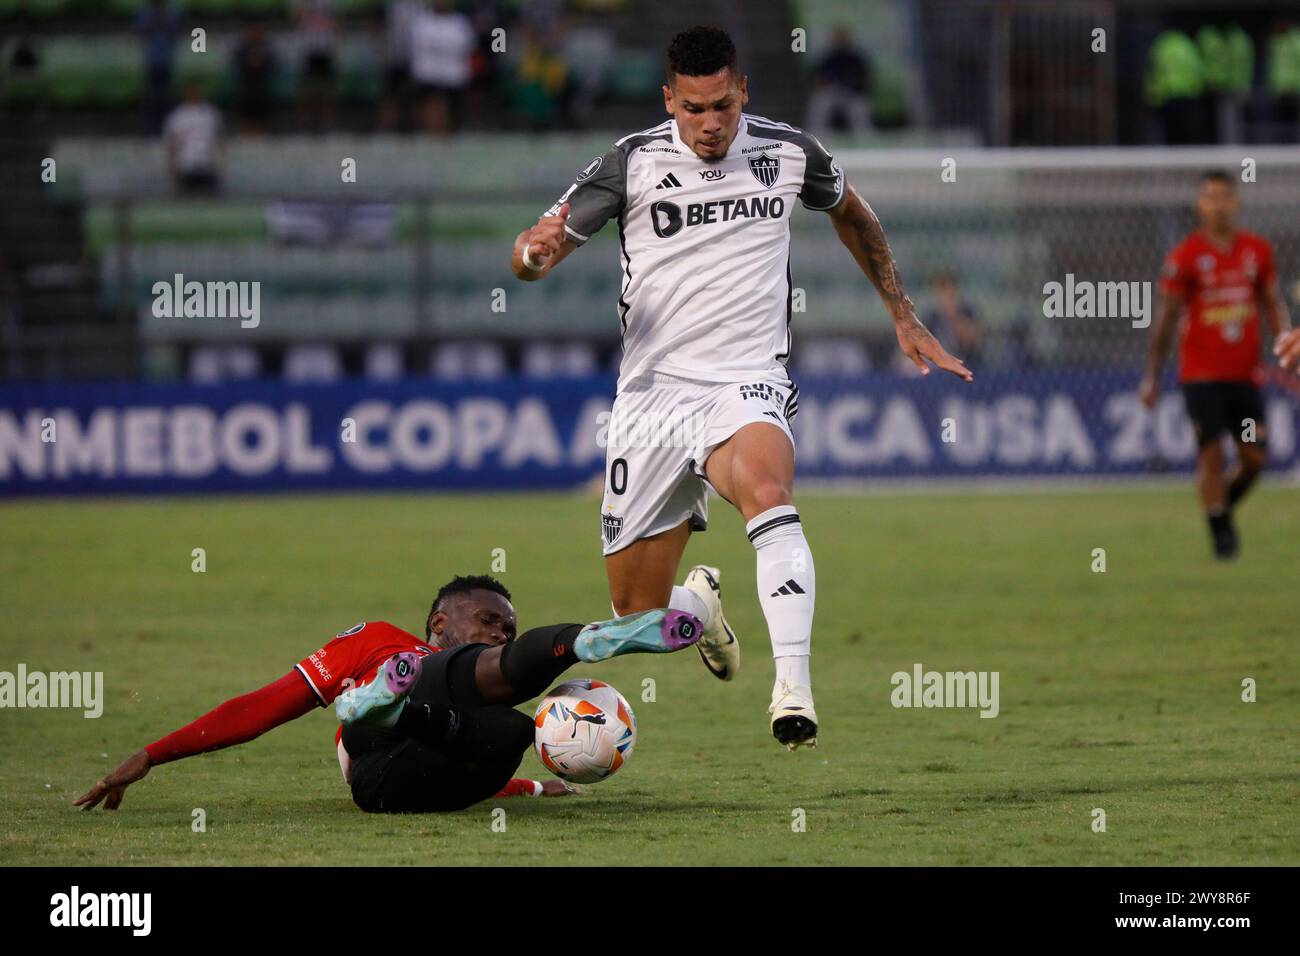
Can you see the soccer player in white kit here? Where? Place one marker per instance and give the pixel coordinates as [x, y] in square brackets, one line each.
[703, 204]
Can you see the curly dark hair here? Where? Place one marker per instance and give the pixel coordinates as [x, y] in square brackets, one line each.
[461, 584]
[700, 51]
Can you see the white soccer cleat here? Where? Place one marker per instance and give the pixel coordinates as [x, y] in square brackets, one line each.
[718, 646]
[794, 722]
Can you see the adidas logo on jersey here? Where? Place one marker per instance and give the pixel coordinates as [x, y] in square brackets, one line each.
[790, 587]
[668, 182]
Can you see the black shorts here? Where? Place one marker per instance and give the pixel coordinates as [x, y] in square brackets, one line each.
[396, 774]
[1219, 408]
[454, 95]
[397, 80]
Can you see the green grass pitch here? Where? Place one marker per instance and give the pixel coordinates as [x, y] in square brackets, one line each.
[1119, 690]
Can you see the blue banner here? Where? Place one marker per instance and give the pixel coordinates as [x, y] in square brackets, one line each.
[522, 433]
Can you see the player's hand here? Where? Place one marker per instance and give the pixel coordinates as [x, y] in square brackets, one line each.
[112, 788]
[561, 788]
[1287, 349]
[919, 345]
[1149, 391]
[544, 239]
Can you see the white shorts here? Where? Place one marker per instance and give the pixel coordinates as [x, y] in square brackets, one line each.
[660, 434]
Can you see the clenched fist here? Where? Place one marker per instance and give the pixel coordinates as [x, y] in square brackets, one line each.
[543, 240]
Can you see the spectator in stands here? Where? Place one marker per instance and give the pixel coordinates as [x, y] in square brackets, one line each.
[22, 75]
[1175, 86]
[1284, 80]
[1228, 56]
[840, 99]
[541, 92]
[546, 17]
[486, 64]
[442, 43]
[192, 139]
[159, 24]
[317, 35]
[254, 67]
[399, 24]
[952, 319]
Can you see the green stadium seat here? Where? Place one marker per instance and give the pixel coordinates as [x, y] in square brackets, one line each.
[889, 100]
[22, 90]
[80, 71]
[67, 79]
[119, 77]
[208, 70]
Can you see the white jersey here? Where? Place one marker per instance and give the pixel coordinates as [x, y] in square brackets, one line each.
[705, 245]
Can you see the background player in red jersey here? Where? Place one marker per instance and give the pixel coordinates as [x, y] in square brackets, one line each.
[459, 739]
[1219, 279]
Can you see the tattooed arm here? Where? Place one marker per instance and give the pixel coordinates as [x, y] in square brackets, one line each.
[861, 232]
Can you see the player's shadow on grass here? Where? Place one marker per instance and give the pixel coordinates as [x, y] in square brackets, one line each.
[550, 807]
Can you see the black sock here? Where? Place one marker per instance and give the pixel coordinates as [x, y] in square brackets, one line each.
[1240, 485]
[1220, 522]
[533, 660]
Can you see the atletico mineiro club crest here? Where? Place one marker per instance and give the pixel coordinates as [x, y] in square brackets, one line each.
[612, 526]
[765, 168]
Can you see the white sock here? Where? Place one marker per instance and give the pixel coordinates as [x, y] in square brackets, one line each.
[794, 669]
[684, 599]
[787, 585]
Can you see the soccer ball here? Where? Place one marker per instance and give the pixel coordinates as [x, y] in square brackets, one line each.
[585, 731]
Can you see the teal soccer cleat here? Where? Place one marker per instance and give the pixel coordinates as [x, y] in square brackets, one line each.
[380, 702]
[659, 631]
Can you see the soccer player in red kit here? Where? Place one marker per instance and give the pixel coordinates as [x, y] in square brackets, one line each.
[458, 739]
[1218, 281]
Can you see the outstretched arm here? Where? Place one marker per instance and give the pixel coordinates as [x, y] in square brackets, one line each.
[860, 231]
[540, 788]
[234, 722]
